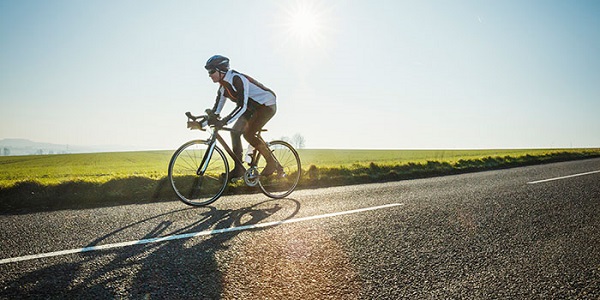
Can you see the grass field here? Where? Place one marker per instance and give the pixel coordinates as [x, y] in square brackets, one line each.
[74, 181]
[349, 158]
[93, 167]
[103, 167]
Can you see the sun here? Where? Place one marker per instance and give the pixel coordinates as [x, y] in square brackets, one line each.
[304, 24]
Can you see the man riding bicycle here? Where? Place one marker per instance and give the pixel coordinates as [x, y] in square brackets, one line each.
[255, 106]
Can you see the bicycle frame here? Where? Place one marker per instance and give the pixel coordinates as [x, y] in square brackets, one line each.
[215, 136]
[196, 180]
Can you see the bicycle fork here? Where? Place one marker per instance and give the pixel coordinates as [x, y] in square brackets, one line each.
[206, 159]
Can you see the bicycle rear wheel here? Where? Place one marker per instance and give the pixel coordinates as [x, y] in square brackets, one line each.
[281, 185]
[194, 187]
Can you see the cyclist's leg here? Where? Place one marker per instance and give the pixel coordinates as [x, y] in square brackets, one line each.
[236, 144]
[258, 120]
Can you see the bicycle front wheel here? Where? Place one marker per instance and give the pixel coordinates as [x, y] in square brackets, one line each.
[281, 185]
[198, 176]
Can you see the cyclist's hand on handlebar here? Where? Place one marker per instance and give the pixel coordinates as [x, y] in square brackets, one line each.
[211, 115]
[216, 122]
[219, 123]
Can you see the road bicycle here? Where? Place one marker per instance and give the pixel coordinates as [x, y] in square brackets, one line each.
[199, 170]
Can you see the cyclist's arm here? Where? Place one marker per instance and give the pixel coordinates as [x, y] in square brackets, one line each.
[241, 87]
[219, 102]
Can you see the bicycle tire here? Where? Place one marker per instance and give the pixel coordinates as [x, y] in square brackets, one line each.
[194, 189]
[277, 186]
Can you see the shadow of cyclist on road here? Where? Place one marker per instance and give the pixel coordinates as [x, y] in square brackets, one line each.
[184, 268]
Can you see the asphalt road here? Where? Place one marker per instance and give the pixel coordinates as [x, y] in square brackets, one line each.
[473, 236]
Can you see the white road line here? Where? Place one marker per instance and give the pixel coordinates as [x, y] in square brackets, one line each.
[563, 177]
[191, 235]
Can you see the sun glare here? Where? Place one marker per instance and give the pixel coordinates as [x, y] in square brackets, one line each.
[304, 24]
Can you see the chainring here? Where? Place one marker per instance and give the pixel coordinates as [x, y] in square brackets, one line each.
[251, 176]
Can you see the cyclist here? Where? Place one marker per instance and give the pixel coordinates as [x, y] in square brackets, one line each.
[255, 106]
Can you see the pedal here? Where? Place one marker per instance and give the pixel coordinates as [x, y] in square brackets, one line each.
[236, 179]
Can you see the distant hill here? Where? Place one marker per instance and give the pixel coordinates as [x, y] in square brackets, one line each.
[28, 147]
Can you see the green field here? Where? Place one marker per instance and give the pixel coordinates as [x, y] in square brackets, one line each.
[350, 158]
[103, 167]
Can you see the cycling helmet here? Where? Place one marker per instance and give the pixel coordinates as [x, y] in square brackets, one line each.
[217, 62]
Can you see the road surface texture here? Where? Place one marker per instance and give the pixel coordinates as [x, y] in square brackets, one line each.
[497, 234]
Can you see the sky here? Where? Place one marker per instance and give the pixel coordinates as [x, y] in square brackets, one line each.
[354, 74]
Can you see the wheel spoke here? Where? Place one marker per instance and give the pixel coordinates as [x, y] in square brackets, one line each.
[191, 188]
[276, 185]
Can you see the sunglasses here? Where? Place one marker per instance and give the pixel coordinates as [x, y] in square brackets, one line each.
[212, 71]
